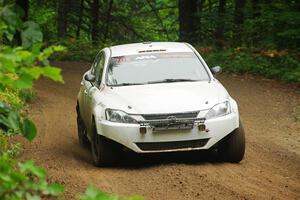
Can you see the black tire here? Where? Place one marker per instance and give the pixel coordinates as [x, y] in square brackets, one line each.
[232, 147]
[103, 151]
[81, 130]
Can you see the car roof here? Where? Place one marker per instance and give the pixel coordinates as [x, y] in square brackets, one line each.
[149, 47]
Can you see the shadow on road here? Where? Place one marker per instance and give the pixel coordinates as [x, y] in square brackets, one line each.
[132, 160]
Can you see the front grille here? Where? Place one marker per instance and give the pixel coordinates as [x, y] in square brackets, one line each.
[166, 115]
[156, 146]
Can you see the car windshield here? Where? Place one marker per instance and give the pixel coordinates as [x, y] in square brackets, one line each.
[155, 68]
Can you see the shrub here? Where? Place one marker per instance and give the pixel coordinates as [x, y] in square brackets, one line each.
[19, 66]
[8, 147]
[270, 63]
[79, 51]
[12, 97]
[25, 180]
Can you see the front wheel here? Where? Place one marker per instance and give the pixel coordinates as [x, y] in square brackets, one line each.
[81, 130]
[103, 151]
[232, 147]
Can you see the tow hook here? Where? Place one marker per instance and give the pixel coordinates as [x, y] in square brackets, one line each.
[202, 127]
[143, 129]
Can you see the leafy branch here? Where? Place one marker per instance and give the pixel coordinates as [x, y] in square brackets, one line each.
[24, 181]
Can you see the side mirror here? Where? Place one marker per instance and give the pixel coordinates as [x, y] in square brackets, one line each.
[216, 70]
[90, 77]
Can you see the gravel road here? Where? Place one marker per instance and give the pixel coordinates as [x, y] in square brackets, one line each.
[270, 170]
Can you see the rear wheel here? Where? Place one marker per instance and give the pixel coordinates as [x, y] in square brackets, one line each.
[232, 147]
[103, 151]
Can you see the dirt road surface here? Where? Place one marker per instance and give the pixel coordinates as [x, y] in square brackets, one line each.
[270, 170]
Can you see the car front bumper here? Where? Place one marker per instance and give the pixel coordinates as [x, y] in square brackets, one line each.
[130, 136]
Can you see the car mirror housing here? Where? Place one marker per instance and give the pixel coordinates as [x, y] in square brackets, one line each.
[216, 70]
[90, 77]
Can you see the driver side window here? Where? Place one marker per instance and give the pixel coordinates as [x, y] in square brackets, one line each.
[99, 68]
[95, 63]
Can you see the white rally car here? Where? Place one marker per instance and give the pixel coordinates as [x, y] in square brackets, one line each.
[156, 97]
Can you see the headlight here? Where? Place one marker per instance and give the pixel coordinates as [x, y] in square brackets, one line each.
[219, 110]
[119, 116]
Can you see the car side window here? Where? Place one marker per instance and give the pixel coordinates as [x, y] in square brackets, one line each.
[95, 63]
[99, 68]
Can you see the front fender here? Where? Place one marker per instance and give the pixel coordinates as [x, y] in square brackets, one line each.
[98, 114]
[235, 109]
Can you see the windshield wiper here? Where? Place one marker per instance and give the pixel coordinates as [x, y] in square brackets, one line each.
[168, 80]
[126, 84]
[172, 80]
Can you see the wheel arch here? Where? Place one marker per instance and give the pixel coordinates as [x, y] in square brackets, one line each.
[77, 107]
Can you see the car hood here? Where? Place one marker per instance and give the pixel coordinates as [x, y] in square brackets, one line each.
[165, 97]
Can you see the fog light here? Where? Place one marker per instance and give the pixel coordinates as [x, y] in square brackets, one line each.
[143, 130]
[201, 127]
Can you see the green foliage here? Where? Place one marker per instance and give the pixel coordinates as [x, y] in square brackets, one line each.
[31, 34]
[24, 181]
[272, 63]
[17, 100]
[264, 24]
[261, 27]
[10, 22]
[93, 194]
[12, 123]
[79, 51]
[19, 67]
[26, 95]
[44, 14]
[11, 148]
[12, 97]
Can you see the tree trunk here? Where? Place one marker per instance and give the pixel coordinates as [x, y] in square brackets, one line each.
[62, 18]
[220, 24]
[238, 21]
[209, 6]
[255, 8]
[95, 21]
[80, 15]
[24, 4]
[187, 20]
[198, 25]
[256, 12]
[108, 15]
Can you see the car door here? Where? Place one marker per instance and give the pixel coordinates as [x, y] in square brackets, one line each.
[86, 86]
[98, 69]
